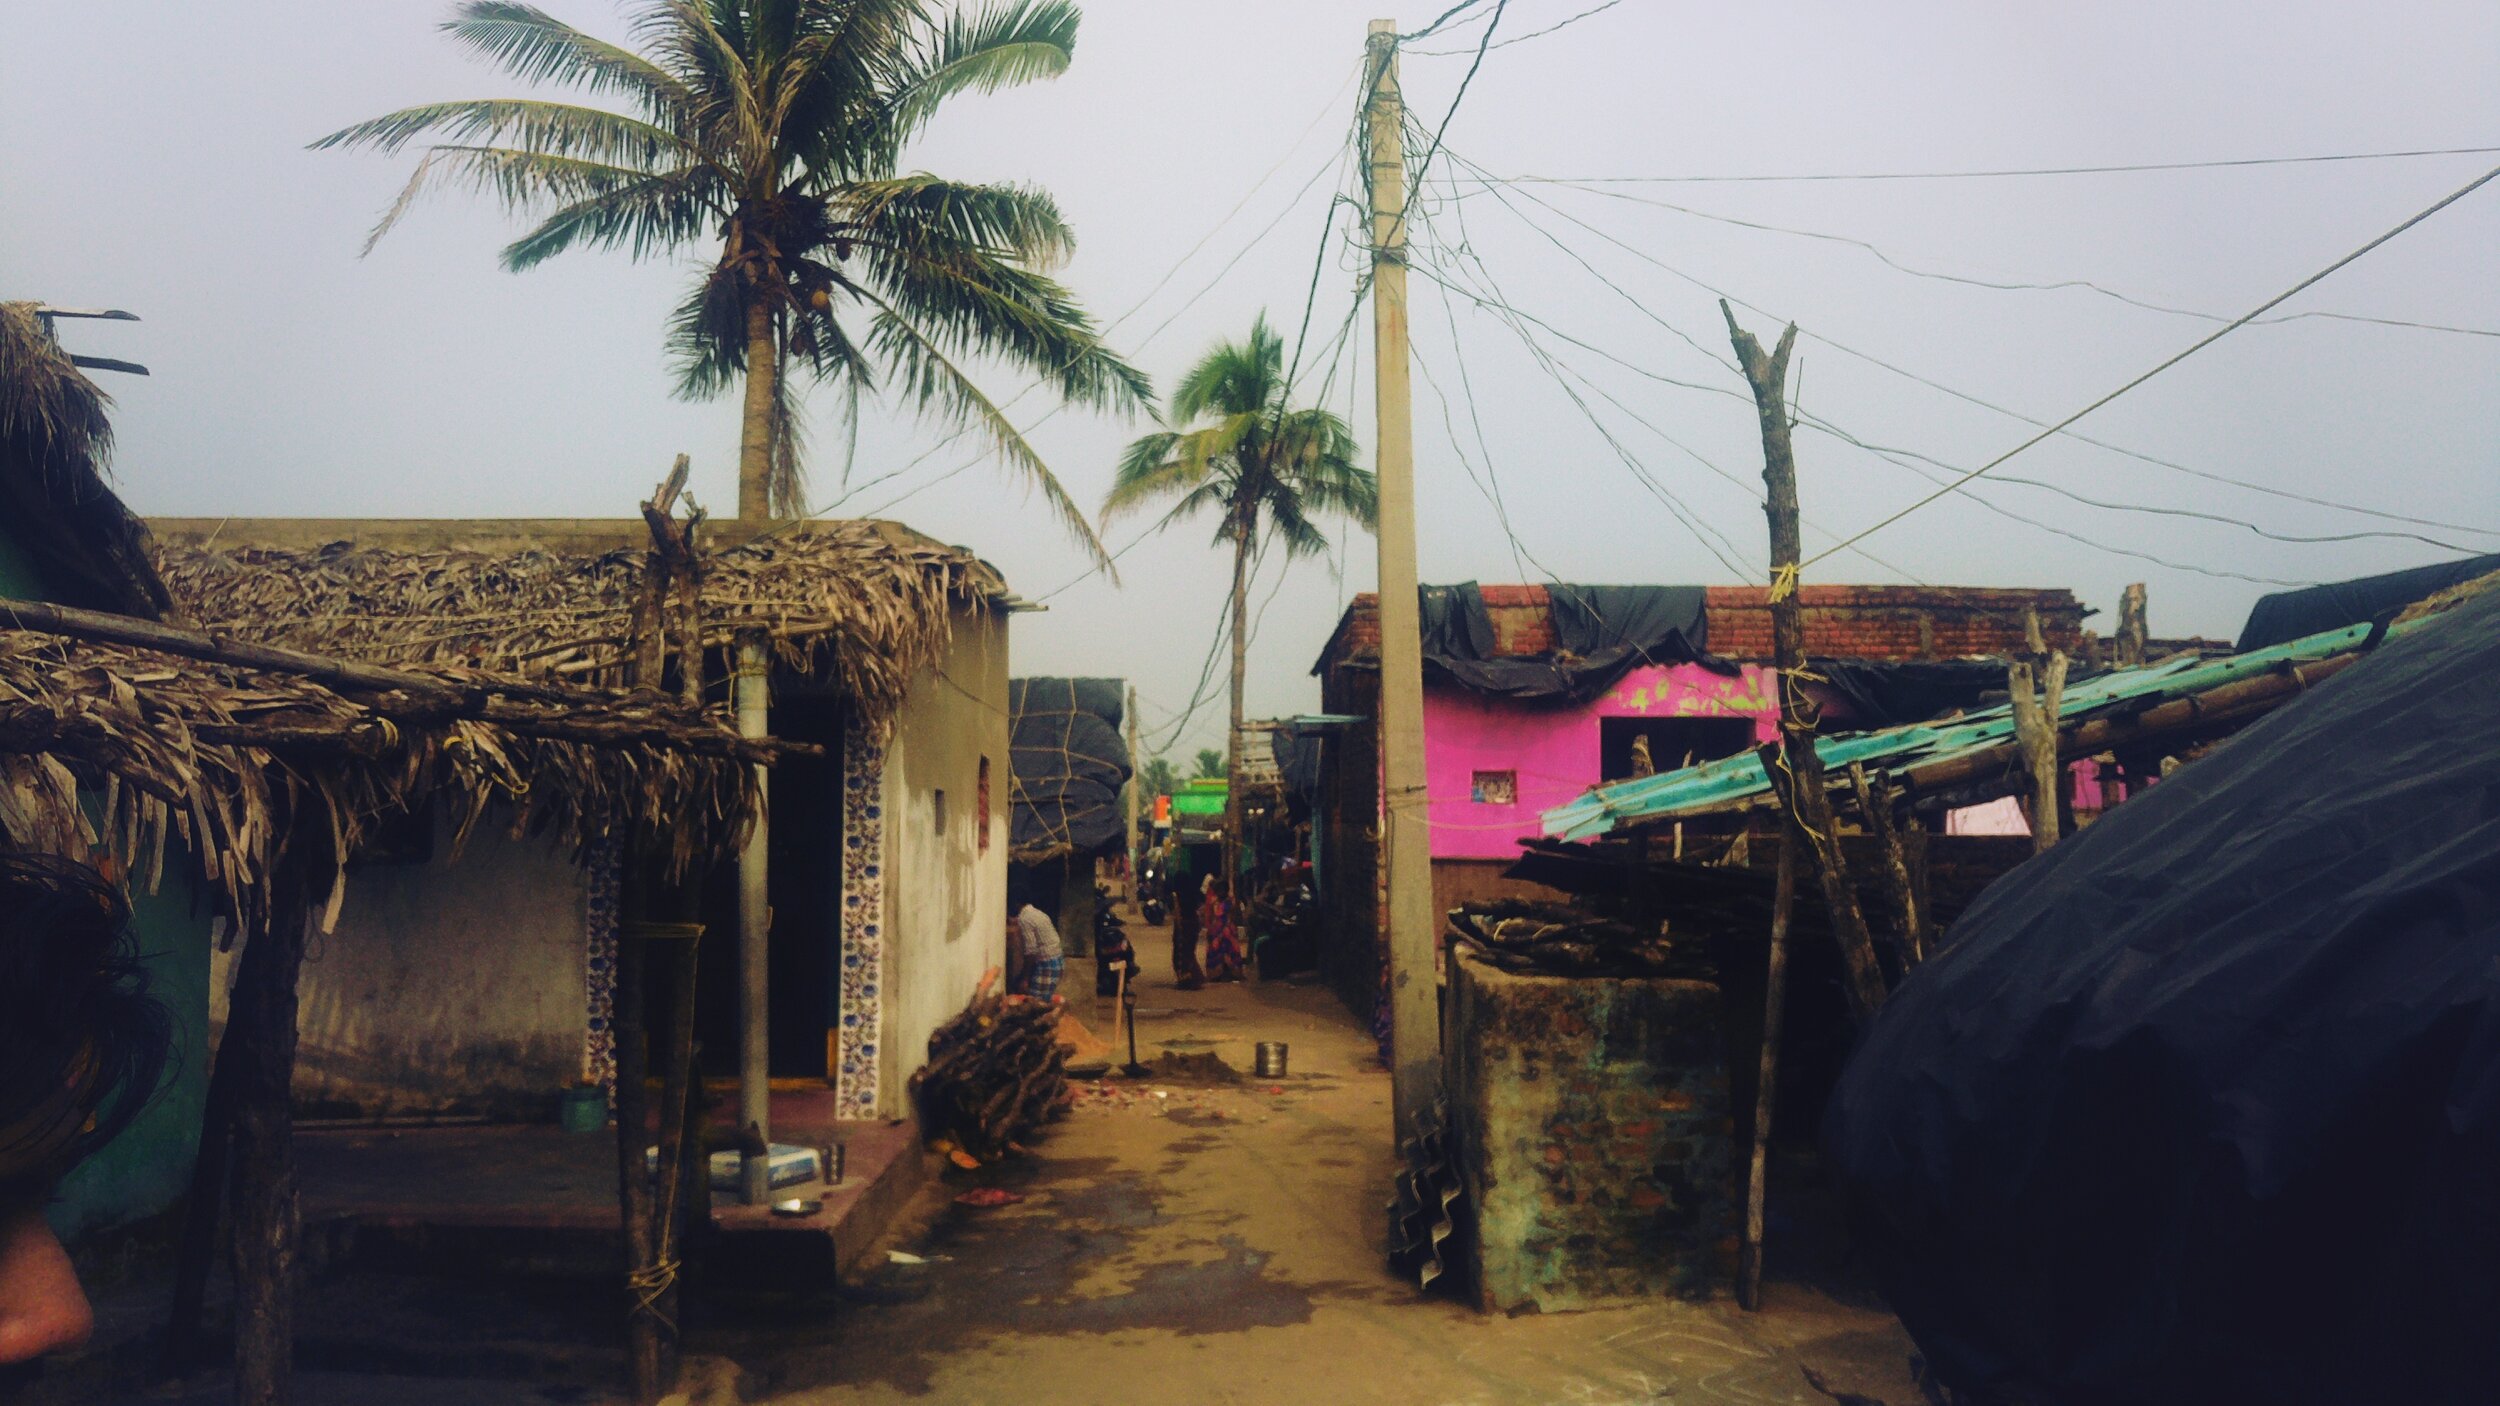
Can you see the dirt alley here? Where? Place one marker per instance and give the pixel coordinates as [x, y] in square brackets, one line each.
[1224, 1244]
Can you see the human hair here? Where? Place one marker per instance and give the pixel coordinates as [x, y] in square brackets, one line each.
[83, 1044]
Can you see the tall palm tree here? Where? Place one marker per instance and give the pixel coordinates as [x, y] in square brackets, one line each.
[1262, 467]
[777, 127]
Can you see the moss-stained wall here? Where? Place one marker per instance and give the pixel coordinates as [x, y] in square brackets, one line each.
[1590, 1128]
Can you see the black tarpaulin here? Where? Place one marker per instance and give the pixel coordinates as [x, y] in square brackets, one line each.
[1600, 634]
[1069, 762]
[2203, 1106]
[1886, 693]
[2290, 615]
[1298, 756]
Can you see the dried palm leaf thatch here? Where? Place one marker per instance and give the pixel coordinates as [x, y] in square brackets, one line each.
[56, 440]
[123, 748]
[865, 605]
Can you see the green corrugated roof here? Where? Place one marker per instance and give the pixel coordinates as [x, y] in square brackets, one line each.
[1735, 781]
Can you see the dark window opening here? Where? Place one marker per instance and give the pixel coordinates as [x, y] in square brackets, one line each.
[1673, 742]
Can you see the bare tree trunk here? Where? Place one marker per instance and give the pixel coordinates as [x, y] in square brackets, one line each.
[265, 1207]
[1241, 665]
[755, 426]
[1766, 1089]
[1875, 803]
[2131, 629]
[2035, 726]
[1796, 771]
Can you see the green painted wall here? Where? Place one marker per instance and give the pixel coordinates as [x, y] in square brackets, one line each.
[145, 1170]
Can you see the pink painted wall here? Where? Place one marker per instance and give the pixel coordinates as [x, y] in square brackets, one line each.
[1555, 751]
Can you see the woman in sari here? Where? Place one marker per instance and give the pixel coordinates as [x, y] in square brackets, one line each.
[1223, 938]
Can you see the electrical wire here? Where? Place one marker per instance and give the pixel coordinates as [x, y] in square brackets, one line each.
[1523, 38]
[2011, 286]
[1930, 382]
[2020, 171]
[2192, 349]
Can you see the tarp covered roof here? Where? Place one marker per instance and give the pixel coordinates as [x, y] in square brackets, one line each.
[2290, 615]
[2203, 1105]
[1738, 782]
[1069, 763]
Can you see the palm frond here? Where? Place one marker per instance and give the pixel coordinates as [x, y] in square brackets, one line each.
[1016, 221]
[558, 129]
[1234, 377]
[977, 303]
[707, 336]
[933, 380]
[1004, 45]
[646, 218]
[535, 47]
[524, 181]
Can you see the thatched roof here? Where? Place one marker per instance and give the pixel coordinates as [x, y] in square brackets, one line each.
[249, 769]
[864, 604]
[55, 444]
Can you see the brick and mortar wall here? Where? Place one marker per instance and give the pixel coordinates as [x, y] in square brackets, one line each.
[1848, 622]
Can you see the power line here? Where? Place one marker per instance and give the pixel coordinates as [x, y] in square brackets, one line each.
[1827, 427]
[2019, 171]
[2002, 285]
[1524, 38]
[1929, 381]
[1134, 308]
[2192, 349]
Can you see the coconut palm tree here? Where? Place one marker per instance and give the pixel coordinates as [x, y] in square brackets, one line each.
[1262, 467]
[777, 127]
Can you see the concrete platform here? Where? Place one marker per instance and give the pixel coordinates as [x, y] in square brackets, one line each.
[538, 1199]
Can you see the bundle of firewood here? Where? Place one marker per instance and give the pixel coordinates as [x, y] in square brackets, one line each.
[1550, 940]
[995, 1073]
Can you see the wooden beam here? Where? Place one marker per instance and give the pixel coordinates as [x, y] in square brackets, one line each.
[266, 1215]
[1766, 1087]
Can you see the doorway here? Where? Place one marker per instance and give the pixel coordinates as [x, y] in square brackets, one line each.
[803, 856]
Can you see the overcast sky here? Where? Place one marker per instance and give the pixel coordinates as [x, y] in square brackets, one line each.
[152, 157]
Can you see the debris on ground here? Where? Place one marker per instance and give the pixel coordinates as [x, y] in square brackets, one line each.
[985, 1196]
[995, 1074]
[1205, 1068]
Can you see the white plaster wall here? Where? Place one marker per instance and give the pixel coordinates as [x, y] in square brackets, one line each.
[945, 899]
[457, 984]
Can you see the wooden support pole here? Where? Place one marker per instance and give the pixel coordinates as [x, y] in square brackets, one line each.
[1876, 806]
[628, 1020]
[204, 1208]
[1766, 1087]
[681, 1184]
[262, 1016]
[1795, 767]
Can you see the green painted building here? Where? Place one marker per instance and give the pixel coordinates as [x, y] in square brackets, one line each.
[65, 537]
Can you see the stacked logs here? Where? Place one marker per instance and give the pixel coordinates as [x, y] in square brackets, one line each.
[996, 1073]
[1548, 939]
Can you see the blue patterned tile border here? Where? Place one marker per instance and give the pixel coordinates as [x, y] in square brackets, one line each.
[602, 887]
[863, 922]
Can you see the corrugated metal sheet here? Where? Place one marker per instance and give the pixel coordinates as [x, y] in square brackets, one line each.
[1737, 782]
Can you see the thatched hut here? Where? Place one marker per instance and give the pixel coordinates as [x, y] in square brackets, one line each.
[884, 872]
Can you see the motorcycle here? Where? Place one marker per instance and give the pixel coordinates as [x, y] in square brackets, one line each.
[1111, 945]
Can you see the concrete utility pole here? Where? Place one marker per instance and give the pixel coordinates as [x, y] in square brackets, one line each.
[1136, 779]
[753, 688]
[1414, 989]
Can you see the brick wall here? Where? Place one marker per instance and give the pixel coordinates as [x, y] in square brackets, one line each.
[1849, 622]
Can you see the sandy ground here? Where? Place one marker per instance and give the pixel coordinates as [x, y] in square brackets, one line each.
[1207, 1245]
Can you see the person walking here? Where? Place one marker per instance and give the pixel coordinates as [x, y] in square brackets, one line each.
[1040, 964]
[1223, 933]
[1184, 890]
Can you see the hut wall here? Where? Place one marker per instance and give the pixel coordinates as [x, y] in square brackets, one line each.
[145, 1171]
[450, 986]
[945, 888]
